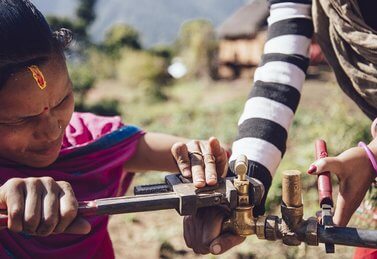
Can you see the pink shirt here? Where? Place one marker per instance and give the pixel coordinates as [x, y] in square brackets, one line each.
[93, 153]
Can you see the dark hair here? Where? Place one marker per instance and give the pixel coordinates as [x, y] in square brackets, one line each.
[26, 37]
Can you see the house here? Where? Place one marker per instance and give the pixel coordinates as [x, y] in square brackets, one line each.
[241, 40]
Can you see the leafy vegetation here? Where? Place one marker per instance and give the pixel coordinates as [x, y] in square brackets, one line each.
[197, 46]
[120, 36]
[85, 16]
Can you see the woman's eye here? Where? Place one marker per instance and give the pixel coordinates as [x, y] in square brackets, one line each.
[62, 101]
[18, 121]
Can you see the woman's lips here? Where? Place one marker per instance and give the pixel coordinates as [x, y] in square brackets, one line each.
[46, 152]
[51, 149]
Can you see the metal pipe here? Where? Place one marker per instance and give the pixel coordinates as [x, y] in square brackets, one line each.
[348, 236]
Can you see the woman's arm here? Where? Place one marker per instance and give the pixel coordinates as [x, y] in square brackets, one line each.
[269, 110]
[204, 161]
[154, 153]
[268, 113]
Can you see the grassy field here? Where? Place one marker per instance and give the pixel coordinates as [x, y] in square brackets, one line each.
[203, 109]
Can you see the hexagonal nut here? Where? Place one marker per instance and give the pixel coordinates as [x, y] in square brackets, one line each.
[260, 227]
[271, 227]
[311, 235]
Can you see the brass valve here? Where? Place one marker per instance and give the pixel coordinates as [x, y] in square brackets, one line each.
[241, 183]
[242, 221]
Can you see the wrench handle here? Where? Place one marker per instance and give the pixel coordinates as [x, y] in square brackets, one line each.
[86, 208]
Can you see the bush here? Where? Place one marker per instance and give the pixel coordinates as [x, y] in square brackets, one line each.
[101, 64]
[197, 47]
[83, 80]
[120, 36]
[164, 51]
[145, 70]
[106, 107]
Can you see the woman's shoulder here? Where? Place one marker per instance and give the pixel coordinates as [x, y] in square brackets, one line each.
[86, 127]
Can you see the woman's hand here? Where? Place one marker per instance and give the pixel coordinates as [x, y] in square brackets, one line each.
[355, 175]
[204, 161]
[202, 232]
[41, 206]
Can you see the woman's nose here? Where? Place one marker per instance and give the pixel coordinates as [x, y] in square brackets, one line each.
[48, 128]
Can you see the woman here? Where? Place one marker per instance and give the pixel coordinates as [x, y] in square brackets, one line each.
[51, 157]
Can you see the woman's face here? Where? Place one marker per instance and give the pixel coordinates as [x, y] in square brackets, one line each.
[32, 120]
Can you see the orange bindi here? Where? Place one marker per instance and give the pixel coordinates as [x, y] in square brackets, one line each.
[38, 76]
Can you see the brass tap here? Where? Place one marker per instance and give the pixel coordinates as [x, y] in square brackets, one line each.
[241, 183]
[242, 221]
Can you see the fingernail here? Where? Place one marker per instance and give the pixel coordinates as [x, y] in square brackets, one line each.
[312, 169]
[199, 183]
[216, 249]
[213, 177]
[186, 172]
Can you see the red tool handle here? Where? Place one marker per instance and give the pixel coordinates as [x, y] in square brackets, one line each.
[86, 208]
[324, 179]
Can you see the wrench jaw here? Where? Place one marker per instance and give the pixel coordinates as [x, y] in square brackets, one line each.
[327, 222]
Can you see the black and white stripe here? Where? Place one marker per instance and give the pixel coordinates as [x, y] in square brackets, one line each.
[269, 111]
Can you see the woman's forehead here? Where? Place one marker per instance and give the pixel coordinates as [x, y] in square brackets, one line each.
[34, 88]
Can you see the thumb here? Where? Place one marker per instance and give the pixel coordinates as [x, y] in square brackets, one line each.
[327, 164]
[342, 213]
[225, 242]
[79, 226]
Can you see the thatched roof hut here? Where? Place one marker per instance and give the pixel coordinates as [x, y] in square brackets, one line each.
[246, 22]
[242, 36]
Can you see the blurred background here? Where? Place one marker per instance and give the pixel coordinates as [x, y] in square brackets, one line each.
[186, 68]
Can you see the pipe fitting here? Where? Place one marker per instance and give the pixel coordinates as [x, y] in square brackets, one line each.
[292, 210]
[311, 234]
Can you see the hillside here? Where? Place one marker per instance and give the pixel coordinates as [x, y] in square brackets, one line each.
[158, 21]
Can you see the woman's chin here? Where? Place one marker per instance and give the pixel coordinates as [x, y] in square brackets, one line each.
[41, 161]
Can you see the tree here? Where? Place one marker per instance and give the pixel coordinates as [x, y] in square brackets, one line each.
[85, 16]
[83, 80]
[120, 36]
[86, 12]
[197, 46]
[144, 70]
[57, 23]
